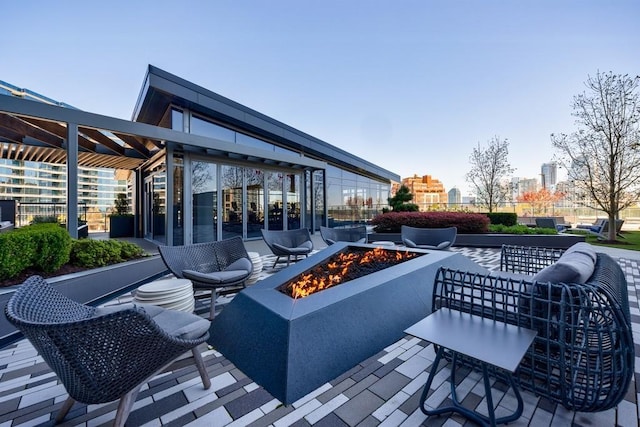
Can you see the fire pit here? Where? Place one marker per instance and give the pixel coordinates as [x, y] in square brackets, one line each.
[293, 346]
[342, 267]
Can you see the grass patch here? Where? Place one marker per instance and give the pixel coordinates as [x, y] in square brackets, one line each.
[631, 240]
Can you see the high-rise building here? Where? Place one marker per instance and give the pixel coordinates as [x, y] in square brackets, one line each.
[455, 196]
[41, 187]
[426, 190]
[549, 175]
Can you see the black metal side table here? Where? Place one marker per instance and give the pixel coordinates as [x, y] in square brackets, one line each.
[488, 341]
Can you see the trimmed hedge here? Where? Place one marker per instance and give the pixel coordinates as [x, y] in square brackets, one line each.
[99, 253]
[502, 218]
[466, 223]
[43, 246]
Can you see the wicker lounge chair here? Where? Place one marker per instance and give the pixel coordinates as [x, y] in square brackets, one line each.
[428, 238]
[577, 301]
[104, 354]
[288, 243]
[219, 267]
[356, 234]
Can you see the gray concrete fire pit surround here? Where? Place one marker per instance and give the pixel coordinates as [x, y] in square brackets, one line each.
[291, 347]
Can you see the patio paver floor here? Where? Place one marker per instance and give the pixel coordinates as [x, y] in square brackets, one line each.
[383, 390]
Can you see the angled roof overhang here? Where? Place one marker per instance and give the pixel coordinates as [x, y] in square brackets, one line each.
[162, 90]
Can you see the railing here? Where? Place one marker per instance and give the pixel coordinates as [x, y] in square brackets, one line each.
[29, 212]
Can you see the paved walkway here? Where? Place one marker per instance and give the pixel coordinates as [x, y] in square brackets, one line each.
[381, 391]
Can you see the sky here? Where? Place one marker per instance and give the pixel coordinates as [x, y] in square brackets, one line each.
[412, 86]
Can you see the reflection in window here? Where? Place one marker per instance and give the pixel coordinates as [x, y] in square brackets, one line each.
[208, 129]
[255, 201]
[292, 185]
[231, 177]
[205, 201]
[274, 197]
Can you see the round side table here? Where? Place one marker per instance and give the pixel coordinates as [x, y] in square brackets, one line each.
[176, 294]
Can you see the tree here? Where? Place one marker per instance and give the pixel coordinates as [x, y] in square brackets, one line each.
[489, 168]
[602, 156]
[400, 202]
[540, 200]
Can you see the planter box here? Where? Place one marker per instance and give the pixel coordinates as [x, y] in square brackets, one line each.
[93, 287]
[121, 226]
[560, 241]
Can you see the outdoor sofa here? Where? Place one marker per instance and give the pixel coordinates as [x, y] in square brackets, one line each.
[577, 302]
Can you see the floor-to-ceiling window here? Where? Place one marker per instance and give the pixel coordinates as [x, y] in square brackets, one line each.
[204, 188]
[232, 183]
[274, 200]
[292, 186]
[255, 201]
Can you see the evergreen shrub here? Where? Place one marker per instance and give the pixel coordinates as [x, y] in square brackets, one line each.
[503, 218]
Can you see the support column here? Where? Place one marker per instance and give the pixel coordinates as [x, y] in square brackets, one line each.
[72, 179]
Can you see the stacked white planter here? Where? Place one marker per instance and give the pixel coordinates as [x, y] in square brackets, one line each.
[176, 294]
[256, 260]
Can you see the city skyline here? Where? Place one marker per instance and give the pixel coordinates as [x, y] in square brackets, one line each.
[412, 87]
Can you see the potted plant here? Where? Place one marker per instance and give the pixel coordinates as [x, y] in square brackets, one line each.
[121, 220]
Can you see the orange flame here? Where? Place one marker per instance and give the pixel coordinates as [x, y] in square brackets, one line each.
[334, 271]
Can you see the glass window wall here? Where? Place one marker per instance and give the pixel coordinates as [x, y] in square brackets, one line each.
[204, 186]
[232, 184]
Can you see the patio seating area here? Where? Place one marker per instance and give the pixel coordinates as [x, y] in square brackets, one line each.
[382, 390]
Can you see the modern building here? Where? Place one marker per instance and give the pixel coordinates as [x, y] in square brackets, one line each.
[40, 187]
[426, 191]
[199, 166]
[454, 197]
[548, 175]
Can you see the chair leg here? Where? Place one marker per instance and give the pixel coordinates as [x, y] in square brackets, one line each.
[276, 261]
[212, 309]
[125, 405]
[64, 410]
[197, 356]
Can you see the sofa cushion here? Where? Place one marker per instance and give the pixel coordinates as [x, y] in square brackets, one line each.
[242, 264]
[217, 277]
[584, 248]
[176, 323]
[572, 267]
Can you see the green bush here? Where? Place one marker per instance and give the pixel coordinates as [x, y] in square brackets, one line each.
[519, 229]
[504, 218]
[44, 246]
[16, 252]
[53, 245]
[468, 223]
[99, 253]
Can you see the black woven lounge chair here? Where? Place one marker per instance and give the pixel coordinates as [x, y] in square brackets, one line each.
[428, 238]
[220, 267]
[288, 243]
[356, 234]
[104, 354]
[576, 299]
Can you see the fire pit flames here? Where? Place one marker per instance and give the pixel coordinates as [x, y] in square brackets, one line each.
[342, 267]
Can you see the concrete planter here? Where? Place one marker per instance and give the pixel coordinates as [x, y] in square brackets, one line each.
[93, 287]
[561, 241]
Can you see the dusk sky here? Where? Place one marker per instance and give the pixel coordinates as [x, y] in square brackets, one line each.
[412, 86]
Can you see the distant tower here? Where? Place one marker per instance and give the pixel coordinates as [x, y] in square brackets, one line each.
[549, 175]
[455, 196]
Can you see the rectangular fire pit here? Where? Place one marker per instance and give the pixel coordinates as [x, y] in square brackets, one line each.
[293, 346]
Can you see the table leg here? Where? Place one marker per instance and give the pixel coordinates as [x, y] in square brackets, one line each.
[458, 407]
